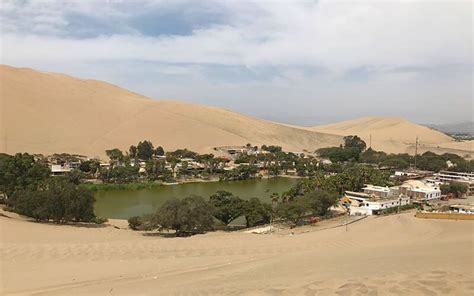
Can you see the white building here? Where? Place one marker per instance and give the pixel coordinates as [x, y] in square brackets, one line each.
[417, 190]
[368, 204]
[462, 209]
[380, 191]
[460, 177]
[57, 169]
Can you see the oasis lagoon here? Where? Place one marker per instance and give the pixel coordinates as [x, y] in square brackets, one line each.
[123, 204]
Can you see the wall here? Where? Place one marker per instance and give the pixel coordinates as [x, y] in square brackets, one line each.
[450, 216]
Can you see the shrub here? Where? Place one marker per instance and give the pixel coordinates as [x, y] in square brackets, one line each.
[134, 222]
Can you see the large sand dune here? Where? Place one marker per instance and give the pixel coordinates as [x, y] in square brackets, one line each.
[53, 113]
[396, 135]
[49, 113]
[392, 255]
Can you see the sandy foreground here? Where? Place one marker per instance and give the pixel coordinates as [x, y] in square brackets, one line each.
[393, 255]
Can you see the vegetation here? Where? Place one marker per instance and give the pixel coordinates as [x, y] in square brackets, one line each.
[55, 199]
[187, 216]
[31, 191]
[256, 212]
[135, 222]
[21, 171]
[354, 151]
[241, 172]
[228, 207]
[305, 201]
[455, 188]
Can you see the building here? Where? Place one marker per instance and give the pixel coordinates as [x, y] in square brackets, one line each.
[418, 190]
[379, 191]
[462, 209]
[57, 169]
[368, 204]
[460, 177]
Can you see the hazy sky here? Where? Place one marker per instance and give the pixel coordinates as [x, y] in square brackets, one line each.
[306, 62]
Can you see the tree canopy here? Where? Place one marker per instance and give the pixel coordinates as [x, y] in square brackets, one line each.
[228, 207]
[187, 216]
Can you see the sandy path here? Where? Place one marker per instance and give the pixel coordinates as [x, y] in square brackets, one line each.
[379, 256]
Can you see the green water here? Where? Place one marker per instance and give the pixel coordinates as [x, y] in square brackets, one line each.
[123, 204]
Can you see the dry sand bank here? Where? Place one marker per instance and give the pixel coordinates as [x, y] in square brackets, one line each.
[393, 255]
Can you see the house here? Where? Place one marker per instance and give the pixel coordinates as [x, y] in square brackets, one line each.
[368, 204]
[379, 191]
[58, 169]
[418, 190]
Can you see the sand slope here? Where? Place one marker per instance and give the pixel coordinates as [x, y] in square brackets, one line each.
[52, 113]
[48, 113]
[393, 255]
[396, 135]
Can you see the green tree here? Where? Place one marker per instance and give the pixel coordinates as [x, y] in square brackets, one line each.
[159, 151]
[20, 171]
[145, 150]
[455, 188]
[294, 211]
[354, 142]
[188, 216]
[228, 207]
[115, 155]
[133, 151]
[256, 212]
[156, 170]
[173, 161]
[55, 199]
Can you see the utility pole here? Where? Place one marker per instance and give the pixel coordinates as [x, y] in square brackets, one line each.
[370, 141]
[416, 149]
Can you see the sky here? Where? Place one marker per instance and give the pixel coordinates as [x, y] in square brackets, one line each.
[300, 62]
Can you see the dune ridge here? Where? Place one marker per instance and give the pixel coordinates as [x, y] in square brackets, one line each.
[396, 135]
[43, 112]
[50, 113]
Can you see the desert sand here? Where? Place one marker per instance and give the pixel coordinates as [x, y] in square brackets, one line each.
[397, 135]
[49, 113]
[391, 255]
[54, 113]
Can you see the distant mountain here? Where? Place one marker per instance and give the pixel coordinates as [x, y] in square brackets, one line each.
[455, 128]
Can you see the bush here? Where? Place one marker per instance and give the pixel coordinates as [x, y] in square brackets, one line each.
[134, 222]
[99, 220]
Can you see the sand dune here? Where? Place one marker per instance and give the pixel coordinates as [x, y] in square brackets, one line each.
[396, 135]
[48, 113]
[52, 113]
[393, 255]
